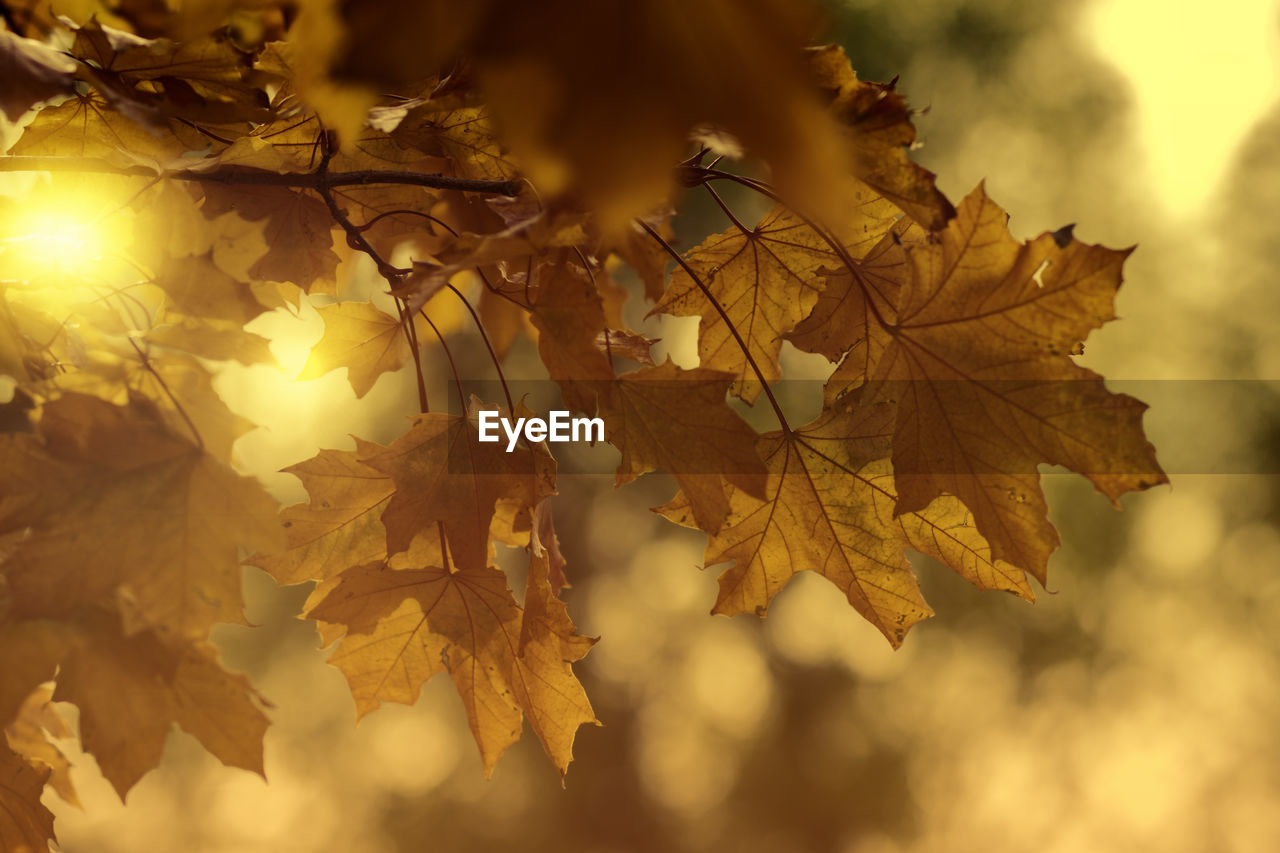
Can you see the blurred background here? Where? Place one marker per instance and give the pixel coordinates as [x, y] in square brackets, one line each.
[1131, 708]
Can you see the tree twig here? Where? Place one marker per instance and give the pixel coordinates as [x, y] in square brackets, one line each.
[236, 175]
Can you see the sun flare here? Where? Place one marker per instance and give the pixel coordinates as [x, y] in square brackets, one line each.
[58, 233]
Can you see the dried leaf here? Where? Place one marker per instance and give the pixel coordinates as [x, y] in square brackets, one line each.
[159, 521]
[675, 420]
[363, 338]
[26, 826]
[766, 281]
[976, 359]
[444, 475]
[341, 526]
[403, 626]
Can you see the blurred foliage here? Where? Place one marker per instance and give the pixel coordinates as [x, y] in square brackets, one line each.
[1130, 710]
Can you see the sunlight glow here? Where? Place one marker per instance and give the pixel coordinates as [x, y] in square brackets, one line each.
[58, 232]
[1201, 80]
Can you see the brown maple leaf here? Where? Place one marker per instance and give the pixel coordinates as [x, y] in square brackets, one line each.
[551, 82]
[405, 625]
[157, 519]
[211, 339]
[569, 316]
[463, 134]
[676, 420]
[341, 526]
[879, 135]
[88, 126]
[296, 226]
[766, 281]
[199, 288]
[829, 507]
[976, 358]
[26, 826]
[444, 475]
[131, 689]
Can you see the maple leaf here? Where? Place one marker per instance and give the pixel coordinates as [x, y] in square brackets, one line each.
[645, 255]
[26, 826]
[880, 134]
[198, 287]
[132, 689]
[87, 126]
[211, 69]
[629, 345]
[33, 72]
[212, 339]
[976, 358]
[362, 337]
[465, 135]
[296, 227]
[444, 475]
[569, 316]
[677, 421]
[405, 625]
[829, 507]
[856, 295]
[766, 281]
[177, 386]
[577, 127]
[341, 526]
[159, 520]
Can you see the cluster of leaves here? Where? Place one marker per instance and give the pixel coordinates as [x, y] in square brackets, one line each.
[522, 146]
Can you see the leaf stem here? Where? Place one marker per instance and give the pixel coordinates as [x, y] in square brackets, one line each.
[773, 401]
[357, 241]
[484, 336]
[457, 380]
[843, 254]
[164, 386]
[727, 212]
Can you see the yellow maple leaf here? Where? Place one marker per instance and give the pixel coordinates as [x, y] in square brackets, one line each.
[157, 519]
[341, 526]
[405, 625]
[361, 337]
[766, 281]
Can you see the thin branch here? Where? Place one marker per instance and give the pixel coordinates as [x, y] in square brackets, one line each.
[236, 175]
[146, 362]
[404, 211]
[393, 275]
[411, 336]
[706, 291]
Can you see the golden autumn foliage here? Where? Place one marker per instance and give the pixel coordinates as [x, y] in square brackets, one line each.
[512, 162]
